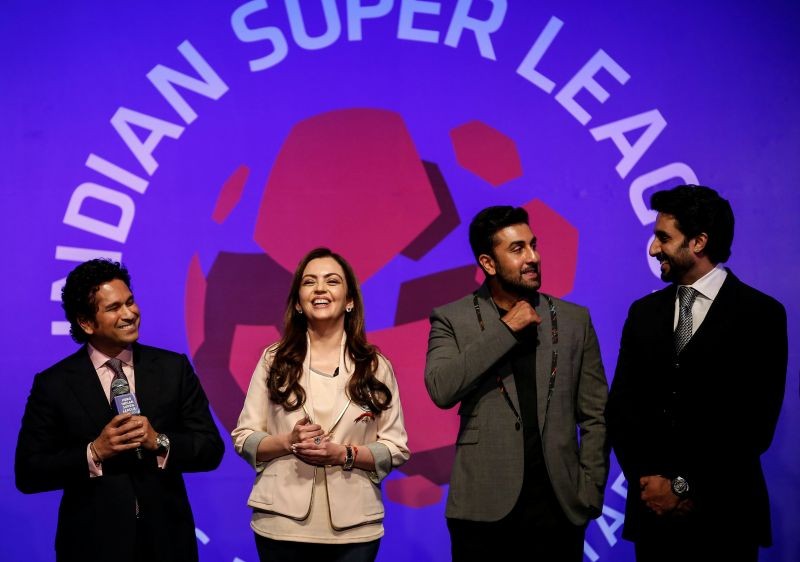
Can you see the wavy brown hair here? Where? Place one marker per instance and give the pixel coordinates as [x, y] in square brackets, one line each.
[283, 382]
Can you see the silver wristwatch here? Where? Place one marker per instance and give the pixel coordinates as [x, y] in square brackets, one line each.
[680, 487]
[162, 442]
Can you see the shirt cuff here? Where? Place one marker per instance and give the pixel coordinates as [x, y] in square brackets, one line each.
[95, 469]
[161, 459]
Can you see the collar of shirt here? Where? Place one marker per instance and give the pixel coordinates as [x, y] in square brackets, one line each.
[709, 284]
[104, 372]
[707, 288]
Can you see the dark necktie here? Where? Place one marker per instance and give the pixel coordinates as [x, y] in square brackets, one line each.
[116, 366]
[683, 332]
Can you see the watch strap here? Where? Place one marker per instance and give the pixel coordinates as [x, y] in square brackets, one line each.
[349, 459]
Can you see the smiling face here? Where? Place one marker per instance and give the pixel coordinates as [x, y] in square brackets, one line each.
[677, 254]
[323, 294]
[116, 322]
[515, 263]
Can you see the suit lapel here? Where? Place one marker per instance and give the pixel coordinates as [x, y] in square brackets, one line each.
[717, 314]
[346, 369]
[544, 358]
[502, 368]
[85, 385]
[663, 335]
[148, 382]
[342, 401]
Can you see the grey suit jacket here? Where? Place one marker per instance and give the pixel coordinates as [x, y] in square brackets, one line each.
[463, 364]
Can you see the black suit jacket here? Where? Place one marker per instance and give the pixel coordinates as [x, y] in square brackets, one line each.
[67, 409]
[706, 415]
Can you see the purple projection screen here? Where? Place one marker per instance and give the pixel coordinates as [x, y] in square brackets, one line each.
[208, 145]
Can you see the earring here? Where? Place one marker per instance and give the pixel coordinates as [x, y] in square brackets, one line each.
[299, 311]
[349, 308]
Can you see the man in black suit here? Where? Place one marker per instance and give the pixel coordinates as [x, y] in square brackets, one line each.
[124, 496]
[697, 392]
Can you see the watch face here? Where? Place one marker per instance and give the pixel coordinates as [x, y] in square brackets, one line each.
[162, 441]
[680, 486]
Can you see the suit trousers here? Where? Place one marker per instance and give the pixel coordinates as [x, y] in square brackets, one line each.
[677, 539]
[479, 541]
[144, 546]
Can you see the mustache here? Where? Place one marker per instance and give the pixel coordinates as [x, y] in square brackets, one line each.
[531, 269]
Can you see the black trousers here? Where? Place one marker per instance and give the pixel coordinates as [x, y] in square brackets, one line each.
[270, 550]
[675, 540]
[480, 541]
[144, 548]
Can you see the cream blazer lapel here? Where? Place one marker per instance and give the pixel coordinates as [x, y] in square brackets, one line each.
[341, 400]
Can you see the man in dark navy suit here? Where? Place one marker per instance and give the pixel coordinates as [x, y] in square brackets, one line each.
[697, 392]
[124, 496]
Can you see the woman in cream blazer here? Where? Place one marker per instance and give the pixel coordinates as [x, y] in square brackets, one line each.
[321, 424]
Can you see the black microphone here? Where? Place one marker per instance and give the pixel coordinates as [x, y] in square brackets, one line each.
[124, 402]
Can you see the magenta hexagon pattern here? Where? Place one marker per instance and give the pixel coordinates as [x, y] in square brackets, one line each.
[486, 152]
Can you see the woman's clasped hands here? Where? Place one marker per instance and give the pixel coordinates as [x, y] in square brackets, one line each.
[309, 443]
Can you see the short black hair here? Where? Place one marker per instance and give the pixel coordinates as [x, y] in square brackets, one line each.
[699, 209]
[78, 294]
[488, 221]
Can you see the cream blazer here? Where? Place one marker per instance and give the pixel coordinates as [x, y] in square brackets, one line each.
[284, 485]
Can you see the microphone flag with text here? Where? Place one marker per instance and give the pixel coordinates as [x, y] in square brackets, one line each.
[124, 402]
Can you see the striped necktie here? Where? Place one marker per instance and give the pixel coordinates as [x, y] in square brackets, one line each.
[116, 366]
[683, 332]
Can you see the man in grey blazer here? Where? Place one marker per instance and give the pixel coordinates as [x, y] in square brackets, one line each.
[526, 370]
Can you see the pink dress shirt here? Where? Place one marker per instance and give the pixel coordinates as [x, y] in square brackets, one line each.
[105, 374]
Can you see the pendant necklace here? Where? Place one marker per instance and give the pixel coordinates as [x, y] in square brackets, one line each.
[318, 439]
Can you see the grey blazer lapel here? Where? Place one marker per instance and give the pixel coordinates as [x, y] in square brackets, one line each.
[503, 367]
[543, 359]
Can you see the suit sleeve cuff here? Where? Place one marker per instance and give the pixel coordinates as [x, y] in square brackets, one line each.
[250, 449]
[383, 462]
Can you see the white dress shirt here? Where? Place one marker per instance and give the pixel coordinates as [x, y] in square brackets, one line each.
[707, 288]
